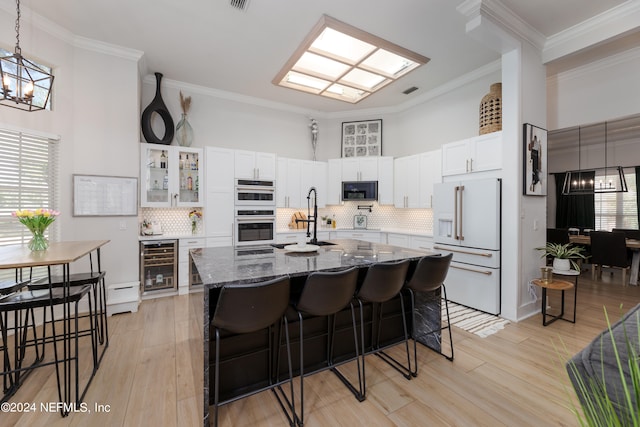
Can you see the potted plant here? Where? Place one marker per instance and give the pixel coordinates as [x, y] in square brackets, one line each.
[564, 255]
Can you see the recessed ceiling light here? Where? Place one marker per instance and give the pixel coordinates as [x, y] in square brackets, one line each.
[342, 62]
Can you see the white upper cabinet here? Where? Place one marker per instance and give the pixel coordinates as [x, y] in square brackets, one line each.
[477, 154]
[295, 179]
[218, 213]
[406, 192]
[288, 183]
[170, 176]
[360, 169]
[430, 173]
[334, 182]
[385, 180]
[255, 165]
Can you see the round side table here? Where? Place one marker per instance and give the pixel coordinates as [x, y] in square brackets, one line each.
[560, 285]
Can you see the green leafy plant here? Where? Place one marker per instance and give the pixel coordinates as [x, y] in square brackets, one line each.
[563, 251]
[620, 404]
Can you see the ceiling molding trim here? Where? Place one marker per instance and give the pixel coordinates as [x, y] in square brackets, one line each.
[609, 24]
[230, 96]
[107, 48]
[599, 65]
[503, 17]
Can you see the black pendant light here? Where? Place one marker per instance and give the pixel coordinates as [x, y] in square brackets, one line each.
[609, 179]
[24, 84]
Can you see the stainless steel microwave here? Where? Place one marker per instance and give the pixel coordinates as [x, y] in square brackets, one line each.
[360, 190]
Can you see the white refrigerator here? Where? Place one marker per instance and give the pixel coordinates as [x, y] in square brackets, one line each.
[466, 222]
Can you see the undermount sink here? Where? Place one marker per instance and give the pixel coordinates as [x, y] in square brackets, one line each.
[282, 245]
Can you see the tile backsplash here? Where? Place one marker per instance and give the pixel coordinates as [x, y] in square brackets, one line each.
[173, 220]
[381, 216]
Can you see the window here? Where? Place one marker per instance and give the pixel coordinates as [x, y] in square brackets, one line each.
[617, 210]
[28, 180]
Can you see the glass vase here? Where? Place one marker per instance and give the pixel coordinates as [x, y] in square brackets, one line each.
[184, 132]
[38, 242]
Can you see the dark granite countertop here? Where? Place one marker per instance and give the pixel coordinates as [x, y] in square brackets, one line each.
[223, 265]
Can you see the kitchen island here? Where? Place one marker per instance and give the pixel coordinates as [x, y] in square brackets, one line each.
[245, 361]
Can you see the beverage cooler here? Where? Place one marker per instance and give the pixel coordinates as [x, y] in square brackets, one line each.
[158, 265]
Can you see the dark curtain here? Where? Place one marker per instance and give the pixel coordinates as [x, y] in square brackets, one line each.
[576, 210]
[638, 189]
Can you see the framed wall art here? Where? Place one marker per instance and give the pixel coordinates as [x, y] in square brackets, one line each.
[535, 160]
[363, 138]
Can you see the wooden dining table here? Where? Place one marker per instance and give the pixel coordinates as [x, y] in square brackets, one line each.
[58, 254]
[632, 244]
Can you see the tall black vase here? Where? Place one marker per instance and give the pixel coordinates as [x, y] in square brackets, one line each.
[157, 106]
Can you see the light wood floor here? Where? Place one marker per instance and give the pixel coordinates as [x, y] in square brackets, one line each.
[152, 375]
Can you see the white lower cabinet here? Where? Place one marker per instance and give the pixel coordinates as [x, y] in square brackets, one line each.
[184, 246]
[395, 239]
[368, 236]
[421, 242]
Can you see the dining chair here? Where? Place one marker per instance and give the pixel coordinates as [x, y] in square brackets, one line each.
[609, 249]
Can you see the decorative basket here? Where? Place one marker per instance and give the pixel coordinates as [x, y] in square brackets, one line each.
[491, 110]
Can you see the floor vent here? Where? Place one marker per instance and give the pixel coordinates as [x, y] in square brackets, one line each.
[239, 4]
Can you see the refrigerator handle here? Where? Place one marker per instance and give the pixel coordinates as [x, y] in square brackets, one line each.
[455, 212]
[461, 211]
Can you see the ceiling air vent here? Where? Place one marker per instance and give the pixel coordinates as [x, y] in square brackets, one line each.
[239, 4]
[411, 89]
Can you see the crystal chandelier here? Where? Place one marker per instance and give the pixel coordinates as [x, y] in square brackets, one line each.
[25, 85]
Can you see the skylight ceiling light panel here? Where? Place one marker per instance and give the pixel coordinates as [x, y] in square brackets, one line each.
[320, 66]
[340, 46]
[304, 82]
[345, 93]
[363, 79]
[388, 63]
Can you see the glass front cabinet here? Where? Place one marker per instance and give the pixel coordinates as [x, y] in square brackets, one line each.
[170, 176]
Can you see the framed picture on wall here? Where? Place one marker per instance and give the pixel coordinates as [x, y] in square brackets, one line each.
[535, 160]
[361, 139]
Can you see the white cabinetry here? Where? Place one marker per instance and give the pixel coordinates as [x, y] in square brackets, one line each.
[255, 165]
[360, 169]
[218, 213]
[385, 180]
[477, 154]
[288, 183]
[170, 176]
[295, 178]
[430, 173]
[184, 246]
[396, 239]
[369, 236]
[421, 242]
[406, 192]
[334, 182]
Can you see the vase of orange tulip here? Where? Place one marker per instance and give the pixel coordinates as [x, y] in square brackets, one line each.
[37, 221]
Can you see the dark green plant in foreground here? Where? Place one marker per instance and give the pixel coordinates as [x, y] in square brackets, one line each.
[611, 400]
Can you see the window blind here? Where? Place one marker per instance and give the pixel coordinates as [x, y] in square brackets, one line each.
[28, 180]
[618, 210]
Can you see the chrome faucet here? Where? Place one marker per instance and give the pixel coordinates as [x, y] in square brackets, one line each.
[312, 219]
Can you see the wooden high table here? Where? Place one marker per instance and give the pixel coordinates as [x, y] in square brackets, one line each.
[58, 254]
[632, 244]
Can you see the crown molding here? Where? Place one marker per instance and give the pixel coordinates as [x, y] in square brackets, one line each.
[591, 67]
[607, 25]
[107, 48]
[500, 15]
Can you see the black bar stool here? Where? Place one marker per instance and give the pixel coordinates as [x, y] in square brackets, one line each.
[428, 276]
[24, 302]
[247, 308]
[97, 317]
[382, 283]
[9, 287]
[325, 294]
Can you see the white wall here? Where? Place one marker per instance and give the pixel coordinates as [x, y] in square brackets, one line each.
[95, 113]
